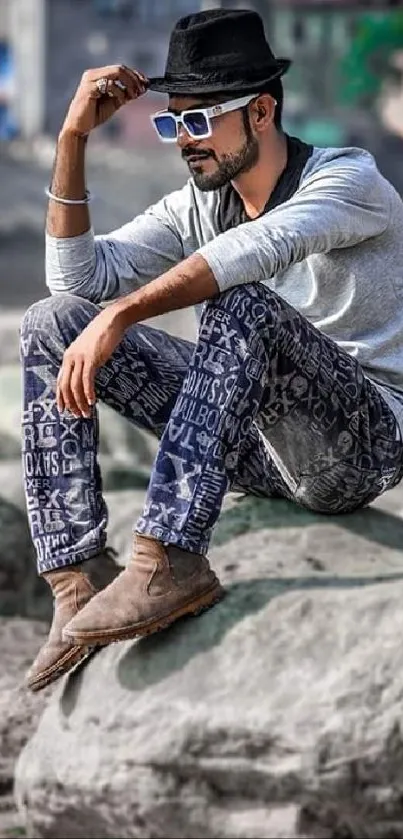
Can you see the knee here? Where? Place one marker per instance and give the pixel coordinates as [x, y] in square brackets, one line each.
[240, 317]
[233, 297]
[249, 304]
[63, 316]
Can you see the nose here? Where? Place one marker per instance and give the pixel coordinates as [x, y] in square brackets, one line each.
[184, 139]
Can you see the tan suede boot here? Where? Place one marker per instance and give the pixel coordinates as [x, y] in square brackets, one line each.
[72, 588]
[159, 585]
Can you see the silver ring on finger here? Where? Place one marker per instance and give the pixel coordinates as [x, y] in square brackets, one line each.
[102, 85]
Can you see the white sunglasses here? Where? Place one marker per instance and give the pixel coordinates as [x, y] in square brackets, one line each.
[196, 121]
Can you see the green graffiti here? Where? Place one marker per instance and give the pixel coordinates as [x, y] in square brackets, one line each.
[367, 62]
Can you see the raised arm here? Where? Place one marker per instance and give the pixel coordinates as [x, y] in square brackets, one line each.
[103, 267]
[98, 97]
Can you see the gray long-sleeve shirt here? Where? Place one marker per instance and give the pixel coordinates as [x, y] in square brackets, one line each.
[334, 251]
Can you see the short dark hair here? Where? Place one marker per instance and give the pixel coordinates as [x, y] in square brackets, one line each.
[276, 90]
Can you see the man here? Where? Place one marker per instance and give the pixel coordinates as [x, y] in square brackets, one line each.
[294, 387]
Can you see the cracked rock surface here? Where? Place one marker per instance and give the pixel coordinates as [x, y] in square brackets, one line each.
[275, 714]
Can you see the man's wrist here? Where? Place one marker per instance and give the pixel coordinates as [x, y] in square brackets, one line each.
[67, 134]
[123, 313]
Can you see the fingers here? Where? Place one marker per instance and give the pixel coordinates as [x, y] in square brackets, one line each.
[75, 390]
[135, 82]
[64, 396]
[118, 93]
[101, 92]
[81, 407]
[139, 80]
[124, 84]
[61, 405]
[88, 382]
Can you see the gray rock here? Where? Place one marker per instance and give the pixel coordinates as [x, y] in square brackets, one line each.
[10, 447]
[277, 713]
[21, 591]
[12, 488]
[9, 335]
[118, 476]
[124, 509]
[10, 414]
[123, 442]
[20, 710]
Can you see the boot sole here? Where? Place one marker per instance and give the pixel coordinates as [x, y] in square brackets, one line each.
[194, 607]
[75, 656]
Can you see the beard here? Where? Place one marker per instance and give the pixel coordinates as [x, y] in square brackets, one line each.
[229, 167]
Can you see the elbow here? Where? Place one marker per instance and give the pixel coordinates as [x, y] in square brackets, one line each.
[55, 284]
[79, 286]
[71, 267]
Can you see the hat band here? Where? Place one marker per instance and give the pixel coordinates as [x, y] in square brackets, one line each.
[225, 76]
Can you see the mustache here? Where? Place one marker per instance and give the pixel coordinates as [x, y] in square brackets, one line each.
[200, 155]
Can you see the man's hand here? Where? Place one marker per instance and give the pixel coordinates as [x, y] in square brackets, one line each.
[190, 282]
[93, 347]
[90, 108]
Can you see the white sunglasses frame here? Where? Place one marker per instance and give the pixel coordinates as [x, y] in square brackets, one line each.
[208, 113]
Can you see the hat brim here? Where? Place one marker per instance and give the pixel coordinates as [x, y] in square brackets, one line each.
[183, 86]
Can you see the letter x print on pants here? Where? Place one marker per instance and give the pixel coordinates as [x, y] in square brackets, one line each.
[262, 403]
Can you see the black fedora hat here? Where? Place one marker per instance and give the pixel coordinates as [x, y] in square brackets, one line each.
[219, 50]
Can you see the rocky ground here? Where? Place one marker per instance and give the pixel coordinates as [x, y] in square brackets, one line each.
[277, 713]
[20, 711]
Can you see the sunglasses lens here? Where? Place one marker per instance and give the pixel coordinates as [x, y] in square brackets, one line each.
[166, 126]
[196, 123]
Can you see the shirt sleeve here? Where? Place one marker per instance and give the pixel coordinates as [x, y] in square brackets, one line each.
[339, 206]
[105, 267]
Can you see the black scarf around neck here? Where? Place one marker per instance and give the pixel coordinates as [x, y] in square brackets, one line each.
[231, 211]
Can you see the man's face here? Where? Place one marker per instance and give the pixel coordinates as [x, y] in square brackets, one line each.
[231, 150]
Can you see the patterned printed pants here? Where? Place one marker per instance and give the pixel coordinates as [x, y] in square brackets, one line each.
[262, 403]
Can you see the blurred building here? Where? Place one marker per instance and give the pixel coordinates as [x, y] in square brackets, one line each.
[8, 124]
[339, 46]
[91, 33]
[50, 43]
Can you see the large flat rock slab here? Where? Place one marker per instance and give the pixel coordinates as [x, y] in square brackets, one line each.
[276, 713]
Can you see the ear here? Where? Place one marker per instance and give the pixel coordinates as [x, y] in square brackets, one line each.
[262, 111]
